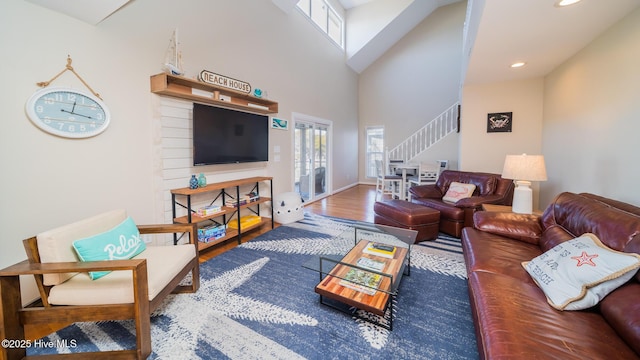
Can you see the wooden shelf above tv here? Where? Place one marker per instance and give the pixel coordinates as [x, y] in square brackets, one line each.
[184, 88]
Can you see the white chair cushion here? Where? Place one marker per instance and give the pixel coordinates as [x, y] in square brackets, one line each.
[163, 264]
[56, 245]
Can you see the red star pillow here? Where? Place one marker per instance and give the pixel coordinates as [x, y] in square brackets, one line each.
[578, 273]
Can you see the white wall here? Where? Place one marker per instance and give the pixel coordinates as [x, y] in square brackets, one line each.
[50, 181]
[591, 117]
[583, 117]
[414, 81]
[485, 152]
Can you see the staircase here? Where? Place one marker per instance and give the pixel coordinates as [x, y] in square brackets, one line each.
[434, 131]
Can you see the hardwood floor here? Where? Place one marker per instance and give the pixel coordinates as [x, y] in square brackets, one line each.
[355, 203]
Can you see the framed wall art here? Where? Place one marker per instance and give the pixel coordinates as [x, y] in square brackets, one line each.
[499, 122]
[279, 124]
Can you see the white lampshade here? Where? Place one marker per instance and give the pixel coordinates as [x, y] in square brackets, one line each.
[524, 169]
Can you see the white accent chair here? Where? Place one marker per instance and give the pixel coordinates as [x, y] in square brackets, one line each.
[132, 290]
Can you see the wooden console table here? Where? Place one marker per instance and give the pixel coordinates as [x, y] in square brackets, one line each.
[228, 193]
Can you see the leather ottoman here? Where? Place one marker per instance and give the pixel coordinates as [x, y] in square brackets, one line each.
[407, 215]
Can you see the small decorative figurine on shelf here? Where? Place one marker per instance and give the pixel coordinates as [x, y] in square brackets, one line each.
[193, 183]
[259, 93]
[173, 57]
[202, 180]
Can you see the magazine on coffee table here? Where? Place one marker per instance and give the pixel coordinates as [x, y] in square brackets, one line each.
[378, 249]
[362, 281]
[370, 264]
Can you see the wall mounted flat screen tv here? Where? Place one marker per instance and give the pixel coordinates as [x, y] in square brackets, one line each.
[224, 136]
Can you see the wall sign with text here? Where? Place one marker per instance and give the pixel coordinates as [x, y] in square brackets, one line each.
[224, 81]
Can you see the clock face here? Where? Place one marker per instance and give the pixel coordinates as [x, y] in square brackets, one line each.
[68, 113]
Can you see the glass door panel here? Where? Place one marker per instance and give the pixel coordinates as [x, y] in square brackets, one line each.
[302, 159]
[311, 159]
[320, 160]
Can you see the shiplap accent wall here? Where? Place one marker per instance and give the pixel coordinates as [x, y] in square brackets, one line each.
[176, 147]
[172, 149]
[173, 160]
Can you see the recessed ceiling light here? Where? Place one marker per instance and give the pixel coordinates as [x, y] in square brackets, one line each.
[561, 3]
[518, 64]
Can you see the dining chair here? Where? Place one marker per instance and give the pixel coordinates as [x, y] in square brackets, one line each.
[386, 183]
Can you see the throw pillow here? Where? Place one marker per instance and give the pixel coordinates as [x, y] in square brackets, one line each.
[458, 191]
[120, 243]
[578, 273]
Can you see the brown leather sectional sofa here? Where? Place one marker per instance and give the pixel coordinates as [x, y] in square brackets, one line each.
[512, 317]
[490, 189]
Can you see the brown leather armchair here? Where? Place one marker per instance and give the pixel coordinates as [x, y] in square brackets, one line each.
[490, 189]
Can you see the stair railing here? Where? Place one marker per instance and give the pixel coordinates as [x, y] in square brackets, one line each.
[427, 136]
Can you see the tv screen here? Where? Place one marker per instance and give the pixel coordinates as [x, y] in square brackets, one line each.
[224, 136]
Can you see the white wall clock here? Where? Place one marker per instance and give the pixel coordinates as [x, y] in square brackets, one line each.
[68, 113]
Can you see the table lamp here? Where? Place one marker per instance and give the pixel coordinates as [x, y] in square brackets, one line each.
[524, 169]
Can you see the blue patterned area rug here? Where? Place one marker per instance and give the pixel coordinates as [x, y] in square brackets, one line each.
[257, 302]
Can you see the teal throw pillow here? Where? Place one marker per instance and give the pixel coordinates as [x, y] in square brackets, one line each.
[120, 243]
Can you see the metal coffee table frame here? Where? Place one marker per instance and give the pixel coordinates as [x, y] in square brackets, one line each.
[324, 265]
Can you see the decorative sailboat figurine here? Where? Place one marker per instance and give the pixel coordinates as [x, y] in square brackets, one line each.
[173, 57]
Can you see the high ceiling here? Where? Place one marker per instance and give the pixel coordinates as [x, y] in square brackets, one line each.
[348, 4]
[499, 32]
[535, 32]
[90, 11]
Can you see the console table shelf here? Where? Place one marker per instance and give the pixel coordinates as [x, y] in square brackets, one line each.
[185, 88]
[229, 192]
[195, 218]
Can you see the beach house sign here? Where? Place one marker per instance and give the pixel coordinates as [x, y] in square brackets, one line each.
[224, 81]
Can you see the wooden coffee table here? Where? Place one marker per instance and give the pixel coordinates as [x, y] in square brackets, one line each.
[341, 277]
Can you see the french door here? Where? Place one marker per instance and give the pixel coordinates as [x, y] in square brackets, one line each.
[311, 157]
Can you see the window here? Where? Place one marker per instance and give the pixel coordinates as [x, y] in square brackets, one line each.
[324, 17]
[375, 149]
